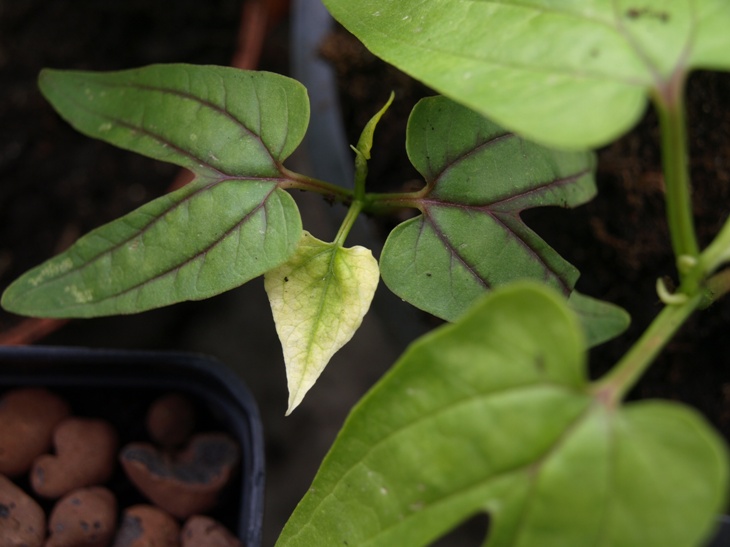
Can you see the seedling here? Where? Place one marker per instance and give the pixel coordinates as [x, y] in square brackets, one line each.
[494, 412]
[235, 221]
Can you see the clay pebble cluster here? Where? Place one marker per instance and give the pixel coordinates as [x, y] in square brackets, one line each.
[48, 455]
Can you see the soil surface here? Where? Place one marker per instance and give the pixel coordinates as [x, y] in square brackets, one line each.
[58, 184]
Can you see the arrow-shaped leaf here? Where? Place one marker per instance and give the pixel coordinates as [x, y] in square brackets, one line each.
[566, 73]
[233, 129]
[319, 298]
[494, 414]
[469, 237]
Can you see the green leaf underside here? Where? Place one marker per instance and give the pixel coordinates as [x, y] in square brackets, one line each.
[233, 129]
[318, 298]
[469, 237]
[492, 415]
[601, 321]
[565, 72]
[218, 122]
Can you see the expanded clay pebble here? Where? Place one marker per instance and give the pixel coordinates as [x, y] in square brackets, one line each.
[171, 420]
[147, 526]
[202, 531]
[86, 451]
[22, 521]
[84, 518]
[187, 483]
[27, 419]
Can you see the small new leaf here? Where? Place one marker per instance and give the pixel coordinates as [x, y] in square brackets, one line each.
[318, 298]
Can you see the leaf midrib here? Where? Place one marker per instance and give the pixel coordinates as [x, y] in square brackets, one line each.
[327, 283]
[536, 464]
[172, 270]
[447, 408]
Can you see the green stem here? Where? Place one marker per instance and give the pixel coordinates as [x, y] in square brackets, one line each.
[361, 174]
[717, 287]
[620, 379]
[383, 203]
[346, 226]
[717, 252]
[295, 181]
[670, 106]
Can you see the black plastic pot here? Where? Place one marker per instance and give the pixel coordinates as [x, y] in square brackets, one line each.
[119, 386]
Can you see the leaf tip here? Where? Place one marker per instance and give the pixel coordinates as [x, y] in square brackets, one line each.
[295, 399]
[6, 301]
[299, 386]
[14, 299]
[46, 77]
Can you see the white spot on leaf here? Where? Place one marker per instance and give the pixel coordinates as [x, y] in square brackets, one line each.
[51, 269]
[81, 296]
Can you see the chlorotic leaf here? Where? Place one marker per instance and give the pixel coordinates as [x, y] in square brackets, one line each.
[233, 129]
[318, 298]
[494, 414]
[479, 178]
[563, 72]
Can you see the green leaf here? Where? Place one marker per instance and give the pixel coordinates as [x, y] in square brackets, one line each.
[469, 237]
[564, 72]
[218, 122]
[319, 298]
[494, 414]
[233, 129]
[601, 321]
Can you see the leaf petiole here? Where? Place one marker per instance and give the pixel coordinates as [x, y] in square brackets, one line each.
[387, 203]
[352, 213]
[296, 181]
[670, 107]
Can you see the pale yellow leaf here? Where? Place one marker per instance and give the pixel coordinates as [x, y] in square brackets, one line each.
[318, 299]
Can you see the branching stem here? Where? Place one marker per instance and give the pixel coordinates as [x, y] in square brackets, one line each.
[614, 386]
